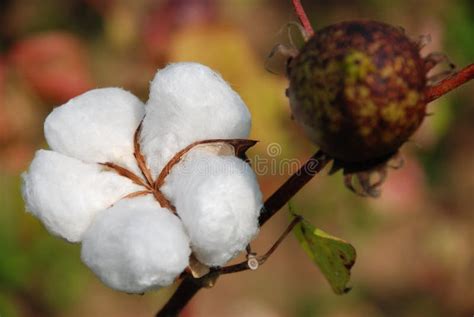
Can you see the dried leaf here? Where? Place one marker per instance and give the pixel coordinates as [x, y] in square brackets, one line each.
[139, 156]
[139, 193]
[125, 172]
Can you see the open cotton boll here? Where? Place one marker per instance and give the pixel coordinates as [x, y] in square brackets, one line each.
[136, 245]
[65, 193]
[189, 102]
[97, 127]
[219, 200]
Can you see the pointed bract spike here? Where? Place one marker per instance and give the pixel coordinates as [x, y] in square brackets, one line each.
[242, 146]
[348, 182]
[336, 167]
[367, 188]
[423, 40]
[396, 162]
[382, 174]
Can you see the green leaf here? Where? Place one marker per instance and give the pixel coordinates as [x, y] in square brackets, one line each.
[334, 257]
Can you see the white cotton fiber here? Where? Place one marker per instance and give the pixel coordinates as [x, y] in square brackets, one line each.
[96, 127]
[65, 193]
[189, 102]
[136, 246]
[219, 201]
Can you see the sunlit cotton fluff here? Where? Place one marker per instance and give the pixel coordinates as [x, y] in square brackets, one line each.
[219, 201]
[65, 193]
[96, 127]
[136, 246]
[189, 102]
[89, 188]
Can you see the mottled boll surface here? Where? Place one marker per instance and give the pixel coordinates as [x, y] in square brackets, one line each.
[357, 90]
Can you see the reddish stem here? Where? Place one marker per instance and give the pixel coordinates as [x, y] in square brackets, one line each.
[303, 17]
[450, 83]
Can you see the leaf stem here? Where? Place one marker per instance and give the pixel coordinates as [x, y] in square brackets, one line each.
[282, 237]
[450, 83]
[243, 266]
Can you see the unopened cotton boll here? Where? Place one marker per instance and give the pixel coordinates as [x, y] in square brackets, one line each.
[219, 201]
[65, 193]
[97, 127]
[189, 102]
[136, 246]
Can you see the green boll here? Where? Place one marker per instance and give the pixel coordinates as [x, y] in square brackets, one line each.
[357, 89]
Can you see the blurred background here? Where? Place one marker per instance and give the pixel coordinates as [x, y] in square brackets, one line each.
[415, 243]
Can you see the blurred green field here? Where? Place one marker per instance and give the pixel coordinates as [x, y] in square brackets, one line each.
[415, 243]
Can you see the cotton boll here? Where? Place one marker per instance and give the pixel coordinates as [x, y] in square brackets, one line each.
[97, 127]
[65, 193]
[219, 200]
[136, 245]
[189, 102]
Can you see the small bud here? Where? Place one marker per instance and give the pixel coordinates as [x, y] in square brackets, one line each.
[252, 261]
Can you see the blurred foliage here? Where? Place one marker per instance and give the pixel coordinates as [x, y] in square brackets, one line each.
[414, 244]
[34, 265]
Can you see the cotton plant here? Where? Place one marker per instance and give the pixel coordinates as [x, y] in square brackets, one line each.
[149, 189]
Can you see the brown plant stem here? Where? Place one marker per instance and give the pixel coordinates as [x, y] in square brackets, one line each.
[450, 83]
[286, 191]
[190, 286]
[243, 266]
[185, 291]
[299, 10]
